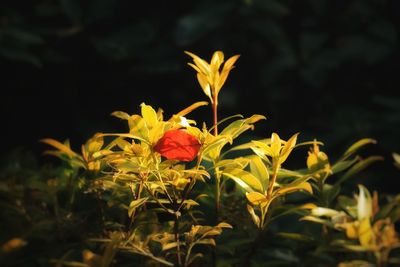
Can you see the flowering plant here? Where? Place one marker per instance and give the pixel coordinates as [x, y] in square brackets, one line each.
[168, 193]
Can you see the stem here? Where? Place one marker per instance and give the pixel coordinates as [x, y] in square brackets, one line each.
[217, 174]
[178, 246]
[189, 251]
[273, 180]
[217, 194]
[215, 115]
[136, 197]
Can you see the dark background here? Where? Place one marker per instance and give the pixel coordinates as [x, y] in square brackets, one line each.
[329, 69]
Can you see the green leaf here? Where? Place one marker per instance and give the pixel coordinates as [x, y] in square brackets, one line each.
[331, 192]
[356, 146]
[343, 165]
[295, 236]
[69, 263]
[358, 167]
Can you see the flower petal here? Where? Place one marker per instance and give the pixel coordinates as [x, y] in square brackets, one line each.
[178, 145]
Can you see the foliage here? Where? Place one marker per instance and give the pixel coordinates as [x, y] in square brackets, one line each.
[168, 192]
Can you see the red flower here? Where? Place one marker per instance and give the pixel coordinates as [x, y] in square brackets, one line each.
[178, 145]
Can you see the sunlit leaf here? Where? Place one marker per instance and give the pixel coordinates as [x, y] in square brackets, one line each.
[169, 246]
[60, 146]
[276, 145]
[248, 145]
[254, 216]
[396, 158]
[224, 225]
[287, 148]
[305, 186]
[192, 107]
[149, 115]
[326, 212]
[245, 177]
[121, 115]
[259, 170]
[365, 232]
[256, 198]
[364, 203]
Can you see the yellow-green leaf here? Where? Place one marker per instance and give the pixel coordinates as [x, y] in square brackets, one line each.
[256, 198]
[192, 107]
[135, 204]
[149, 115]
[207, 241]
[276, 145]
[290, 189]
[245, 177]
[217, 59]
[259, 170]
[287, 148]
[254, 216]
[138, 127]
[262, 147]
[62, 147]
[200, 63]
[224, 225]
[169, 246]
[121, 115]
[357, 145]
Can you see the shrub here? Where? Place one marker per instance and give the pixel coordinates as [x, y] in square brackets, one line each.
[173, 192]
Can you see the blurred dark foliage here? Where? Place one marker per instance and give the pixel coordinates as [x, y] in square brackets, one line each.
[328, 69]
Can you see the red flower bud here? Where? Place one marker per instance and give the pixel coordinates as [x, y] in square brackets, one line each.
[178, 145]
